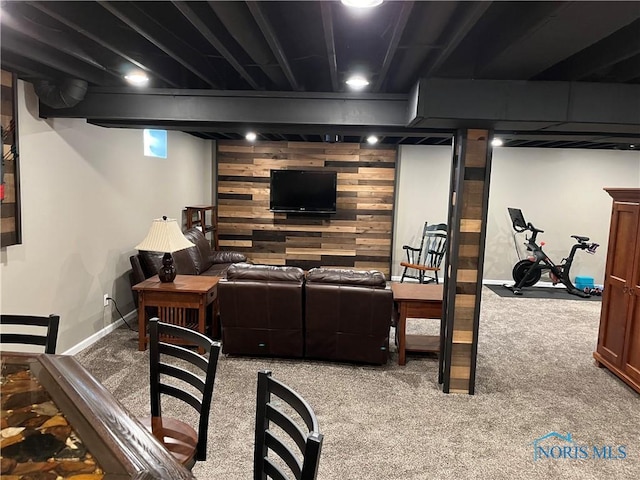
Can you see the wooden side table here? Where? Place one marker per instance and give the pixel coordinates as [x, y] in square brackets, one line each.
[176, 302]
[415, 300]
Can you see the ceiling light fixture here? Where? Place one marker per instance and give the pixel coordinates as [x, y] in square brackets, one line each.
[138, 79]
[251, 136]
[361, 3]
[357, 82]
[497, 142]
[372, 139]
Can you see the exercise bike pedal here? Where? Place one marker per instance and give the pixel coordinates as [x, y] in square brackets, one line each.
[516, 291]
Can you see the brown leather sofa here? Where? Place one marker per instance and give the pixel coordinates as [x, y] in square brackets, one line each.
[341, 315]
[347, 315]
[198, 260]
[261, 310]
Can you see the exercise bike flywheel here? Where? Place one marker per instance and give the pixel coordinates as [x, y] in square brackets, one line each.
[521, 269]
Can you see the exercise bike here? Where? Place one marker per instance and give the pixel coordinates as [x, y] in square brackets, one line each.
[527, 272]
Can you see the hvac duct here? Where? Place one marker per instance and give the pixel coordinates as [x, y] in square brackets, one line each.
[67, 93]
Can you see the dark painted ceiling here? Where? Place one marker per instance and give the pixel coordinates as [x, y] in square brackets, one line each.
[312, 46]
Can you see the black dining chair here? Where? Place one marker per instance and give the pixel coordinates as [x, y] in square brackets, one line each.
[185, 443]
[43, 330]
[302, 464]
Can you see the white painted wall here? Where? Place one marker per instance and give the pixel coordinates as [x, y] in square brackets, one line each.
[559, 190]
[88, 197]
[422, 195]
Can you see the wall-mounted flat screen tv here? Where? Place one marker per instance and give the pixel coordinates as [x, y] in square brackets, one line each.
[303, 191]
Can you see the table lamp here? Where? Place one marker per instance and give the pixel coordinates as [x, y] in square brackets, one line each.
[165, 236]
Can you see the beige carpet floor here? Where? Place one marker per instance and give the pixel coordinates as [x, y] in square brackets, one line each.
[535, 376]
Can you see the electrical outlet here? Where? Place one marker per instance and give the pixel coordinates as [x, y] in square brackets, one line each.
[106, 300]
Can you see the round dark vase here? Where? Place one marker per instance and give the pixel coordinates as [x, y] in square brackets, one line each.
[167, 272]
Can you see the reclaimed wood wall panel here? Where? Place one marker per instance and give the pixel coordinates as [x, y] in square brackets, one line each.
[10, 233]
[358, 236]
[467, 218]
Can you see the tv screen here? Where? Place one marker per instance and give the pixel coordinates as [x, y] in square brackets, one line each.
[303, 191]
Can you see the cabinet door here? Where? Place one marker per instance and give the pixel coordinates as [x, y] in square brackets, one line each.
[631, 364]
[616, 301]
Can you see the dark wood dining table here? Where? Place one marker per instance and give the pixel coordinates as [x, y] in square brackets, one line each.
[51, 393]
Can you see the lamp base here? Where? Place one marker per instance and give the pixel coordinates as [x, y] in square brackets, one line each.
[167, 272]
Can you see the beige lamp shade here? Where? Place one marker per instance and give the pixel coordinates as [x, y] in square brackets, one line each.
[164, 236]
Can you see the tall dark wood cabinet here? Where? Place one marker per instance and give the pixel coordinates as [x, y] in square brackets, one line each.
[619, 337]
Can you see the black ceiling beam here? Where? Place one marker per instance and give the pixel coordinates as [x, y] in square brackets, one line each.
[462, 26]
[154, 33]
[49, 57]
[193, 106]
[215, 42]
[100, 40]
[525, 106]
[398, 30]
[270, 36]
[330, 42]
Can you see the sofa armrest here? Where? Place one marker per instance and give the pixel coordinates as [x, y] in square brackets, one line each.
[227, 257]
[137, 273]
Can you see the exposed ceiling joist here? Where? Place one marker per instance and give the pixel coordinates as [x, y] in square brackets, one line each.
[206, 32]
[156, 35]
[240, 24]
[616, 48]
[458, 31]
[398, 30]
[272, 39]
[100, 40]
[327, 24]
[48, 56]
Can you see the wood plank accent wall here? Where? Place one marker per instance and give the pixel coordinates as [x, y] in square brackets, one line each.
[359, 235]
[10, 208]
[467, 230]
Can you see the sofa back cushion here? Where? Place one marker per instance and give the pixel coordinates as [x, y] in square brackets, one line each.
[182, 260]
[370, 278]
[248, 271]
[201, 253]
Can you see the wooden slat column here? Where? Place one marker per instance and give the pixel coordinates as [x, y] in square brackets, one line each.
[463, 285]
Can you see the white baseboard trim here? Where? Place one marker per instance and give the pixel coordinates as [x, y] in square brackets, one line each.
[491, 282]
[87, 342]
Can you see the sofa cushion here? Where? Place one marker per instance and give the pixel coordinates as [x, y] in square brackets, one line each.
[248, 271]
[152, 261]
[201, 253]
[227, 257]
[365, 278]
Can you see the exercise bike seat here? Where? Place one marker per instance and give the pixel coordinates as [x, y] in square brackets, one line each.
[580, 239]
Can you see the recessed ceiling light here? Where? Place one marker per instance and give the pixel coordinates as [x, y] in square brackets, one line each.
[497, 142]
[361, 3]
[632, 146]
[372, 139]
[357, 82]
[251, 136]
[138, 79]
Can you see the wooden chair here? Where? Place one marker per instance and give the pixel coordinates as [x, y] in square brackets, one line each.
[428, 257]
[303, 464]
[185, 443]
[48, 339]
